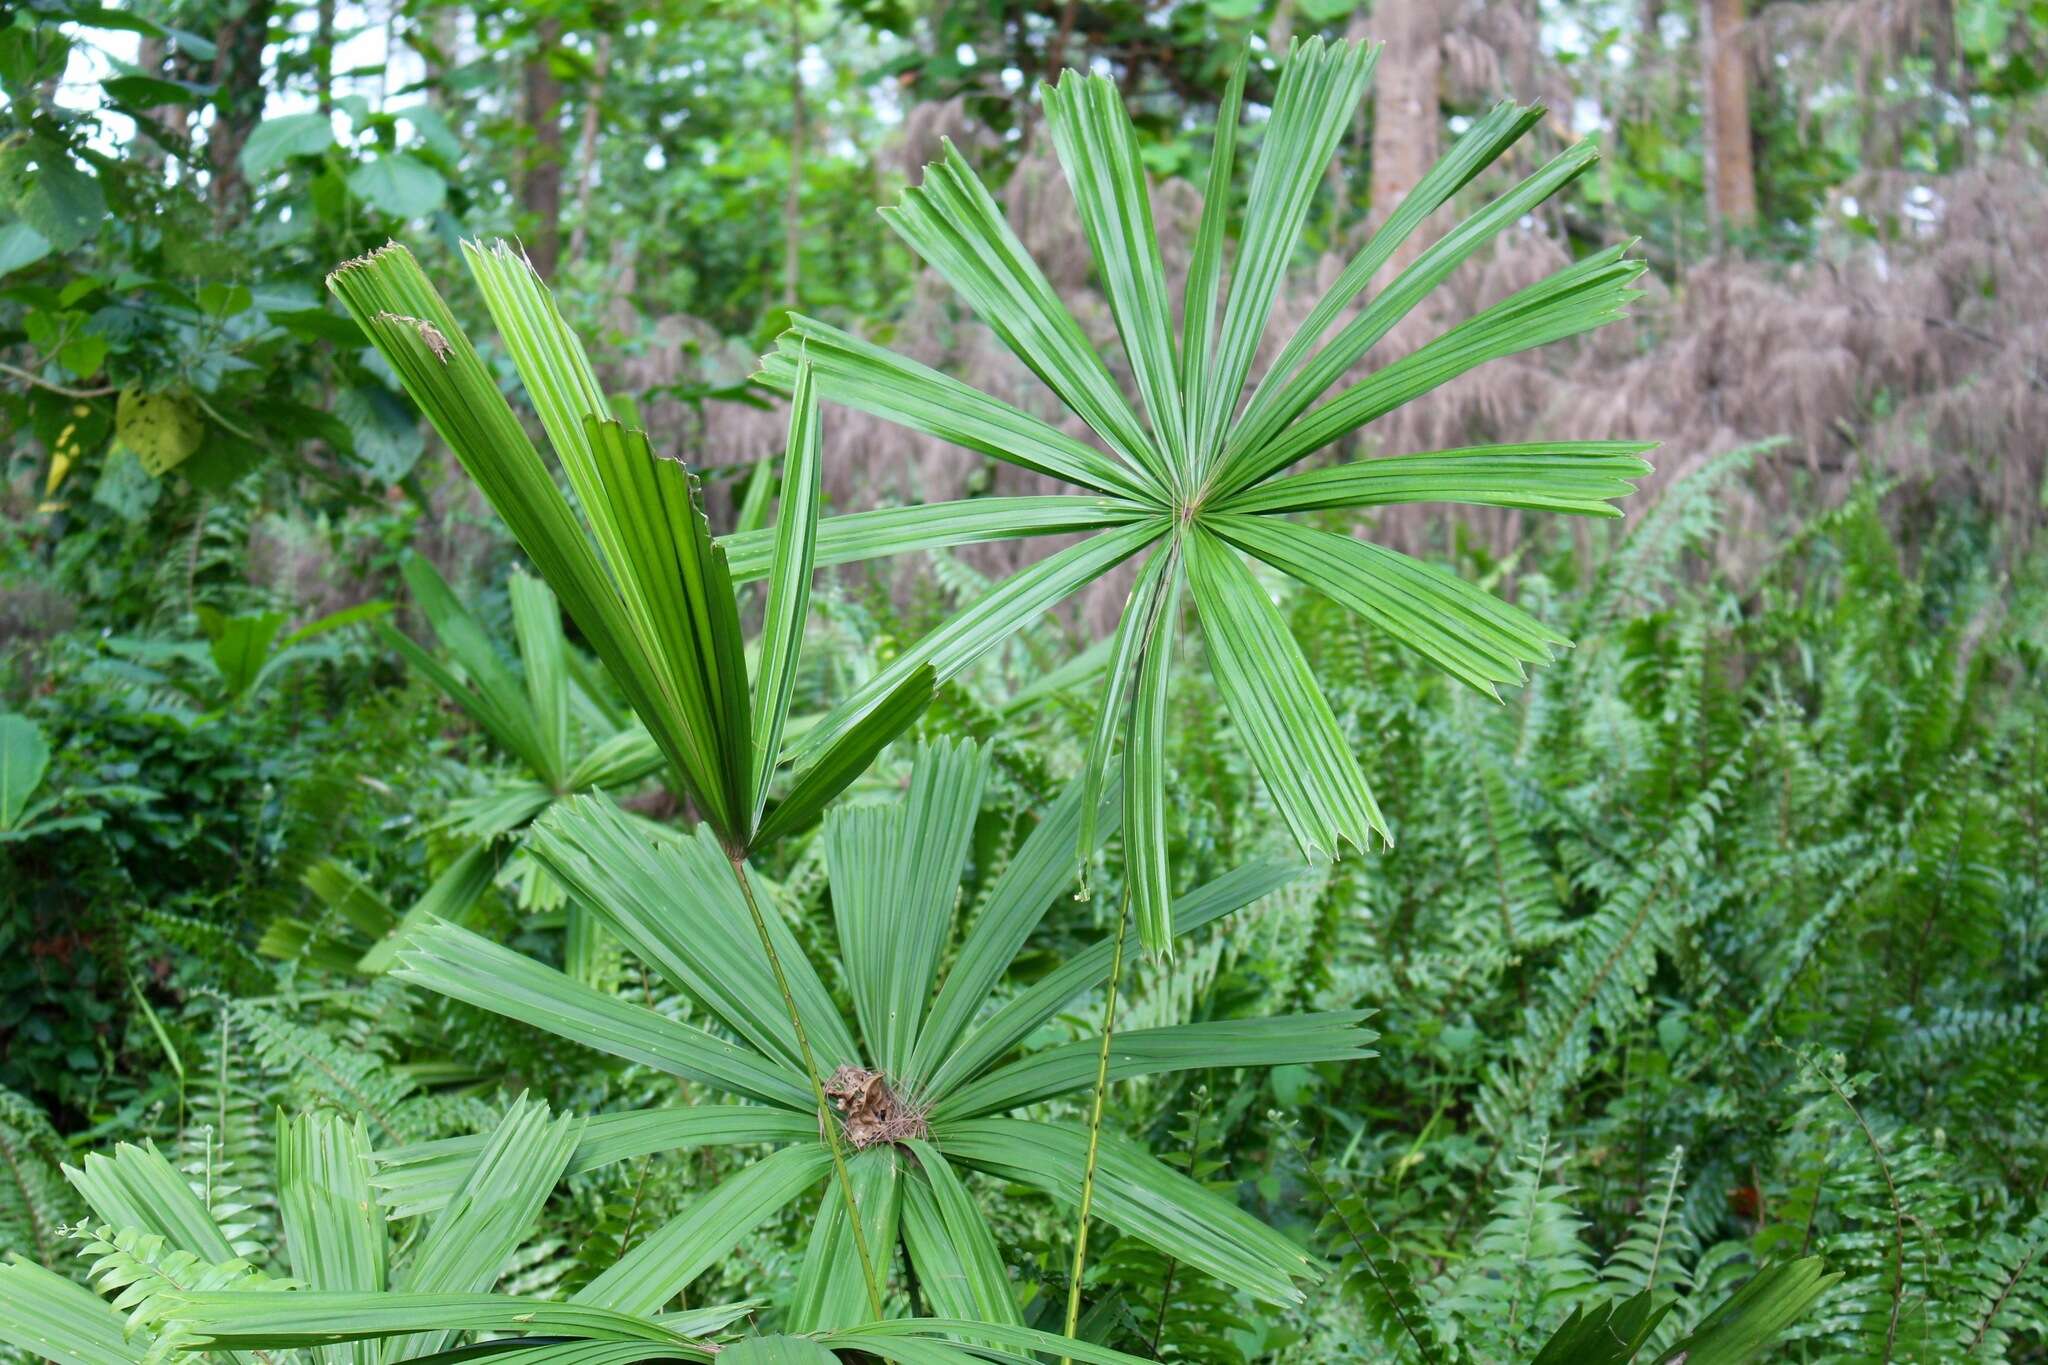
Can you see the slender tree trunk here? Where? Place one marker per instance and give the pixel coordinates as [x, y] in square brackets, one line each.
[541, 191]
[444, 36]
[1731, 174]
[792, 205]
[171, 124]
[1952, 73]
[323, 54]
[238, 99]
[586, 150]
[1406, 130]
[1344, 168]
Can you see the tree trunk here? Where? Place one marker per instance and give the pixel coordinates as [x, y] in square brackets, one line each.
[586, 149]
[1406, 127]
[171, 124]
[792, 208]
[444, 39]
[323, 54]
[237, 99]
[1731, 174]
[541, 189]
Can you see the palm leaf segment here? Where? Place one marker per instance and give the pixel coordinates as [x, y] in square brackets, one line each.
[928, 1081]
[637, 569]
[1199, 481]
[340, 1286]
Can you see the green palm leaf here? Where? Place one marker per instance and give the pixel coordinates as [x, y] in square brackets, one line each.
[1199, 473]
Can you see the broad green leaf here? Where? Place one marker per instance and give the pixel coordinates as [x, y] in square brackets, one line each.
[673, 1255]
[634, 876]
[950, 1246]
[277, 140]
[1467, 632]
[935, 526]
[49, 191]
[465, 966]
[1581, 477]
[1320, 87]
[967, 635]
[21, 245]
[1099, 151]
[1273, 698]
[865, 376]
[1276, 1041]
[955, 226]
[895, 874]
[1142, 1196]
[239, 645]
[53, 1319]
[422, 1177]
[400, 185]
[789, 584]
[24, 758]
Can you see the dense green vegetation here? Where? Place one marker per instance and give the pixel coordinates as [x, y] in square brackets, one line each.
[1134, 763]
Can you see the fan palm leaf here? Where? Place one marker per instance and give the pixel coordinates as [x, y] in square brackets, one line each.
[1197, 481]
[930, 1084]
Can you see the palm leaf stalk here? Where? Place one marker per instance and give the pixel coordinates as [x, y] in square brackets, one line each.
[639, 571]
[1201, 480]
[1116, 969]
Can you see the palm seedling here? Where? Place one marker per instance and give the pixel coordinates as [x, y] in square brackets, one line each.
[181, 1274]
[1202, 480]
[927, 1084]
[562, 733]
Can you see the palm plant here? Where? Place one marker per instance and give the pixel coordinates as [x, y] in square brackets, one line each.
[550, 716]
[1201, 480]
[156, 1234]
[640, 574]
[926, 1086]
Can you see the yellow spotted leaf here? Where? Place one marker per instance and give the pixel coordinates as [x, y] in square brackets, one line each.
[161, 429]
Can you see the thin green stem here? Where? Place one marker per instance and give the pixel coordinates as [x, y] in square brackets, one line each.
[1116, 971]
[826, 1119]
